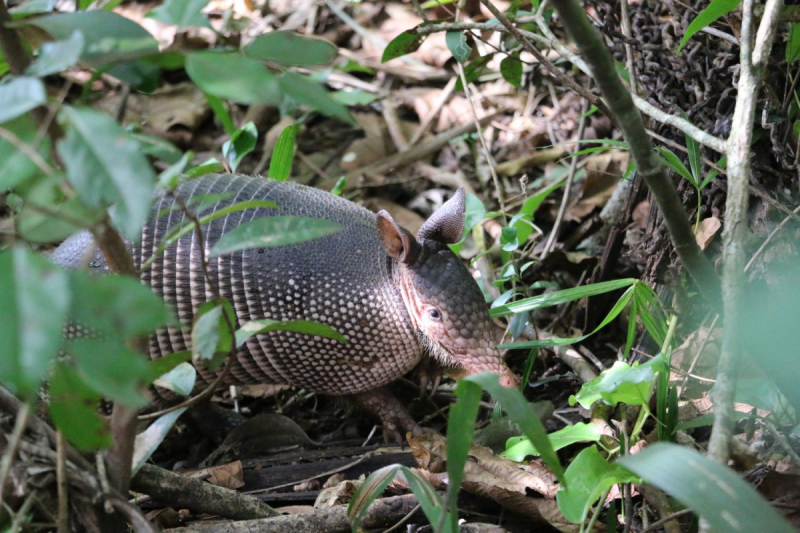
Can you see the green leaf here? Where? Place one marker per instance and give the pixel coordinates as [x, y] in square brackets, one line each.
[376, 483]
[368, 492]
[695, 156]
[673, 162]
[793, 43]
[182, 13]
[280, 165]
[559, 297]
[711, 490]
[115, 306]
[211, 335]
[106, 166]
[309, 93]
[251, 84]
[170, 177]
[405, 43]
[259, 327]
[623, 383]
[292, 49]
[34, 7]
[34, 300]
[73, 408]
[242, 142]
[111, 369]
[530, 206]
[473, 70]
[518, 448]
[524, 414]
[271, 232]
[221, 112]
[460, 427]
[588, 477]
[19, 96]
[15, 167]
[57, 56]
[715, 10]
[457, 44]
[150, 439]
[179, 380]
[108, 37]
[338, 189]
[209, 167]
[511, 70]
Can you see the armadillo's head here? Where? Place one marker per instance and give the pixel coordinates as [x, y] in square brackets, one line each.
[444, 301]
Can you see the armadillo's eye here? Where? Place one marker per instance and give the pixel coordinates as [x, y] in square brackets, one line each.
[434, 314]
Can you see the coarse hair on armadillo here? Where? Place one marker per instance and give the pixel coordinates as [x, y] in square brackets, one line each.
[434, 349]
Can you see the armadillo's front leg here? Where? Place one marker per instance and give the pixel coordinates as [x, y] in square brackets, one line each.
[393, 415]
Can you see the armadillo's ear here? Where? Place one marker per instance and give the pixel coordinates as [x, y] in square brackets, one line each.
[446, 225]
[398, 241]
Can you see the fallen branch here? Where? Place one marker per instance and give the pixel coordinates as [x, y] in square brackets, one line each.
[199, 496]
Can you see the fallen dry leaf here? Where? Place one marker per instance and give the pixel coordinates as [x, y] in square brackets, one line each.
[230, 476]
[706, 231]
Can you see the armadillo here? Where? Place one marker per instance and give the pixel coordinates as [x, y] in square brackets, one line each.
[394, 297]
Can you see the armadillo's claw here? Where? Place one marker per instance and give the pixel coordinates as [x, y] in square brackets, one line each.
[393, 415]
[430, 377]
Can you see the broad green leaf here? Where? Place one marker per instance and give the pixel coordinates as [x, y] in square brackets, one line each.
[106, 166]
[292, 49]
[559, 297]
[713, 491]
[354, 97]
[108, 37]
[460, 427]
[179, 380]
[20, 95]
[150, 439]
[164, 364]
[280, 165]
[111, 369]
[15, 166]
[457, 44]
[673, 162]
[518, 448]
[511, 70]
[622, 382]
[793, 43]
[405, 43]
[170, 177]
[530, 206]
[182, 13]
[34, 300]
[115, 306]
[305, 92]
[73, 408]
[251, 84]
[258, 327]
[241, 143]
[715, 10]
[524, 414]
[271, 232]
[209, 167]
[588, 477]
[211, 335]
[57, 56]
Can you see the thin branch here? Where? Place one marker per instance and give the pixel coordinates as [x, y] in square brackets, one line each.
[593, 49]
[753, 61]
[549, 40]
[10, 452]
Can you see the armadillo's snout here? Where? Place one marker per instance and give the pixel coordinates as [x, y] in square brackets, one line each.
[489, 360]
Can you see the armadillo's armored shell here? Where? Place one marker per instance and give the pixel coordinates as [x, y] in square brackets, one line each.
[343, 280]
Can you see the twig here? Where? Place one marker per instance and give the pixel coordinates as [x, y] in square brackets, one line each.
[674, 516]
[26, 149]
[20, 424]
[551, 239]
[549, 40]
[625, 19]
[619, 100]
[784, 443]
[434, 112]
[753, 65]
